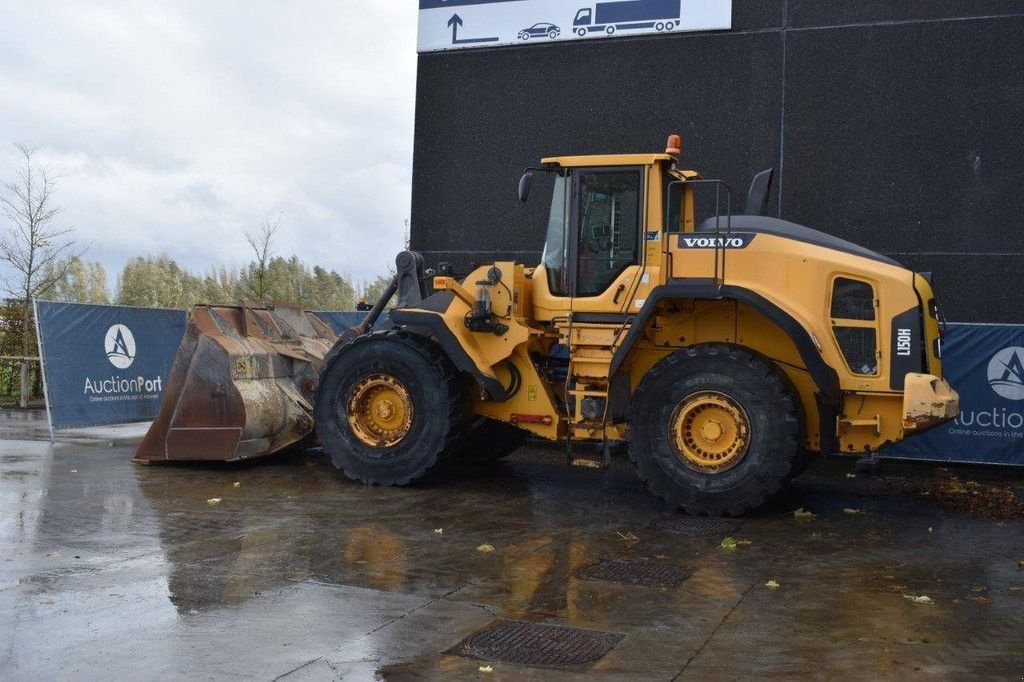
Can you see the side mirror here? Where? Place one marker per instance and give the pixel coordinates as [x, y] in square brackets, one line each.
[524, 185]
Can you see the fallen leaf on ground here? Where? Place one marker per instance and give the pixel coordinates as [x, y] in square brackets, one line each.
[1017, 590]
[214, 500]
[628, 537]
[439, 530]
[237, 484]
[485, 548]
[1020, 565]
[995, 502]
[733, 543]
[897, 587]
[851, 510]
[802, 513]
[52, 555]
[921, 599]
[486, 669]
[772, 585]
[982, 599]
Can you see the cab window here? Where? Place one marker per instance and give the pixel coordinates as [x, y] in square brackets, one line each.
[556, 244]
[609, 220]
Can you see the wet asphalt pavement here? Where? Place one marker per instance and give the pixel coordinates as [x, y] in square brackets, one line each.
[115, 570]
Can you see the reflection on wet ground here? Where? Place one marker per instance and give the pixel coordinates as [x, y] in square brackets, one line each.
[117, 570]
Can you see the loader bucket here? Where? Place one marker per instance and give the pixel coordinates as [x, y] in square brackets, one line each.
[241, 385]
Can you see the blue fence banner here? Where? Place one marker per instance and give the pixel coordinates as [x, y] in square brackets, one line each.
[985, 364]
[105, 364]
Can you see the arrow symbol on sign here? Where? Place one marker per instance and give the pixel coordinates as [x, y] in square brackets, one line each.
[454, 23]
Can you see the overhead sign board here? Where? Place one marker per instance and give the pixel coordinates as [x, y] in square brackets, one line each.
[461, 24]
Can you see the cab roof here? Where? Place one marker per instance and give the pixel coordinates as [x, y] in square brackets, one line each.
[607, 160]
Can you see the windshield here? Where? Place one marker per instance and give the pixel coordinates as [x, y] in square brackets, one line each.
[556, 246]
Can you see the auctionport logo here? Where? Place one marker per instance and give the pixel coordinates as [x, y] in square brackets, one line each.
[1006, 373]
[119, 344]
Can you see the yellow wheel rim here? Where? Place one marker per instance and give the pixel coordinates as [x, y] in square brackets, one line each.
[711, 432]
[379, 410]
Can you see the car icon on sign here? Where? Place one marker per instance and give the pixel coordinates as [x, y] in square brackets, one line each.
[539, 31]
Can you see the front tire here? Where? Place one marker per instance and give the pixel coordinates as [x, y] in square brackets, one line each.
[715, 430]
[387, 406]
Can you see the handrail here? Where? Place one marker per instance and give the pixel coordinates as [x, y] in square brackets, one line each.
[720, 245]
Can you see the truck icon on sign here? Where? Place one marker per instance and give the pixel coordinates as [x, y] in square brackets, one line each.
[624, 15]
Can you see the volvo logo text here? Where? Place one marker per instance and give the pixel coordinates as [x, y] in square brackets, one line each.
[713, 242]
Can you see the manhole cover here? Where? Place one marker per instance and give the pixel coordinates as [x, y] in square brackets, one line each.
[642, 572]
[537, 645]
[696, 525]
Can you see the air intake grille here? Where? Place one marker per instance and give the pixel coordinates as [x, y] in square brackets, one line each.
[860, 348]
[852, 300]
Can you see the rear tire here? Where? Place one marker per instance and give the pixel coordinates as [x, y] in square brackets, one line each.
[416, 380]
[666, 449]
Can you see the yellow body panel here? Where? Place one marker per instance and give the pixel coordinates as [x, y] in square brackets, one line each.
[595, 160]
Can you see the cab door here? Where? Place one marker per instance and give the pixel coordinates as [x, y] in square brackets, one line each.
[592, 262]
[605, 257]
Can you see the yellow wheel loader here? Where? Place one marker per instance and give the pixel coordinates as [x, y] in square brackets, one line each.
[725, 352]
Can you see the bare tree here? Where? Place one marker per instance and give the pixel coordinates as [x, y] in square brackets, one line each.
[262, 243]
[38, 251]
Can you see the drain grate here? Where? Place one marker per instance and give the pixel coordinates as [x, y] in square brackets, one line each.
[537, 645]
[696, 525]
[640, 572]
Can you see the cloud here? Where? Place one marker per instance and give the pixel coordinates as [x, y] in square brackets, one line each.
[175, 126]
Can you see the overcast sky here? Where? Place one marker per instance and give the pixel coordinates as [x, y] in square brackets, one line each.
[177, 125]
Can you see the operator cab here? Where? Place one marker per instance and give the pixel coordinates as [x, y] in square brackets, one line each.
[598, 223]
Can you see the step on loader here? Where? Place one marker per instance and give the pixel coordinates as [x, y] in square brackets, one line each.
[725, 353]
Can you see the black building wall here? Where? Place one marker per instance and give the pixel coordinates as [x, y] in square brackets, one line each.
[897, 124]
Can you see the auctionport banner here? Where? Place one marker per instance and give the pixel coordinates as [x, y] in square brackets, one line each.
[105, 364]
[462, 24]
[985, 364]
